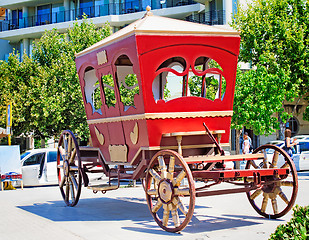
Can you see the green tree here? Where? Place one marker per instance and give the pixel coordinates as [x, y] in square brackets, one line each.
[274, 39]
[55, 53]
[45, 89]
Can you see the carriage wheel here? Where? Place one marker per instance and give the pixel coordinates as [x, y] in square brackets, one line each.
[170, 191]
[278, 193]
[68, 168]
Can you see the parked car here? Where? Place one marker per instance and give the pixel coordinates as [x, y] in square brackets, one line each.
[39, 167]
[301, 137]
[300, 154]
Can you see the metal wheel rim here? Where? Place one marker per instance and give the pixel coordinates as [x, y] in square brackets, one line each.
[69, 180]
[170, 204]
[294, 185]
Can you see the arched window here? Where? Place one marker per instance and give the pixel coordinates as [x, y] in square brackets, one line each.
[176, 79]
[293, 125]
[127, 81]
[92, 90]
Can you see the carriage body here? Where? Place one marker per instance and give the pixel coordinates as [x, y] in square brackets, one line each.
[158, 96]
[165, 56]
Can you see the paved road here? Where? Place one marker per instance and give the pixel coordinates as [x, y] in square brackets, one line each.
[40, 213]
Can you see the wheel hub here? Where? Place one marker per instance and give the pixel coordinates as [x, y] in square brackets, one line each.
[166, 191]
[66, 168]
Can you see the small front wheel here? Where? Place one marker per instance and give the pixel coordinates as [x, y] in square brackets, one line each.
[170, 191]
[68, 168]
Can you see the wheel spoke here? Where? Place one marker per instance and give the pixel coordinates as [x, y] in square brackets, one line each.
[286, 165]
[252, 163]
[256, 194]
[156, 207]
[274, 205]
[265, 162]
[179, 178]
[70, 145]
[166, 215]
[73, 155]
[72, 192]
[264, 203]
[171, 168]
[61, 184]
[162, 167]
[62, 152]
[67, 190]
[155, 175]
[175, 216]
[275, 160]
[287, 183]
[178, 203]
[73, 180]
[283, 197]
[182, 192]
[152, 192]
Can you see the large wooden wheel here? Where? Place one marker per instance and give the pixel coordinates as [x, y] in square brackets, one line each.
[277, 194]
[68, 168]
[170, 191]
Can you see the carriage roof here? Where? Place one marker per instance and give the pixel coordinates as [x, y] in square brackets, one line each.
[157, 25]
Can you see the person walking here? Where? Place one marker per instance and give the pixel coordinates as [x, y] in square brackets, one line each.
[288, 142]
[246, 145]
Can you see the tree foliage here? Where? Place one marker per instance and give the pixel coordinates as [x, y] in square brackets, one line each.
[45, 89]
[274, 39]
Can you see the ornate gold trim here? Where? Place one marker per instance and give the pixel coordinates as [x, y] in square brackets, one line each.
[134, 134]
[165, 115]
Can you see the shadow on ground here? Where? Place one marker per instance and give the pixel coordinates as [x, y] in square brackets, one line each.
[133, 209]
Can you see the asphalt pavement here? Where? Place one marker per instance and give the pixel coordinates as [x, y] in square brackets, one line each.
[37, 213]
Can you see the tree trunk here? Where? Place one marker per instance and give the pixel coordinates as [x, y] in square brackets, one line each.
[282, 128]
[238, 133]
[43, 142]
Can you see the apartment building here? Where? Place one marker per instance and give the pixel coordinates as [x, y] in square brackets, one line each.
[25, 21]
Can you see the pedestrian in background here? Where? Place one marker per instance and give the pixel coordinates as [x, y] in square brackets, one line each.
[246, 145]
[288, 142]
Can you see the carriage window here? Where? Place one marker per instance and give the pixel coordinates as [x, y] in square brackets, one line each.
[127, 81]
[109, 90]
[210, 85]
[170, 82]
[92, 90]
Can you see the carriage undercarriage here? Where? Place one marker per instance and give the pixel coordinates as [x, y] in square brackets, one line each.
[172, 182]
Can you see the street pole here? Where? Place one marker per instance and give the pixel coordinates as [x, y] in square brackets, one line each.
[9, 121]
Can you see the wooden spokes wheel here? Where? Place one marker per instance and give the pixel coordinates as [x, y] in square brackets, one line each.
[278, 193]
[170, 191]
[68, 168]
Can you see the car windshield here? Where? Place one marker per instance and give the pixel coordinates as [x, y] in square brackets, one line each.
[24, 155]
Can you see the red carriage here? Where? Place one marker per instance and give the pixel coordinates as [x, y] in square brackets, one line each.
[158, 96]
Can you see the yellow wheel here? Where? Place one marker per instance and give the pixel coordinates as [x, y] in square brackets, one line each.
[170, 191]
[278, 193]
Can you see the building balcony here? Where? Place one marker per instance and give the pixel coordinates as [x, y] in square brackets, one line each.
[210, 18]
[91, 12]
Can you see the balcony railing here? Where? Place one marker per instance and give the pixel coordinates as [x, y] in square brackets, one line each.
[91, 12]
[209, 18]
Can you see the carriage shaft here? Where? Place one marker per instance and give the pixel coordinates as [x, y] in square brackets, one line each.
[228, 174]
[225, 191]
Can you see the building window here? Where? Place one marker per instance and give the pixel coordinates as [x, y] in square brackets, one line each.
[44, 14]
[293, 125]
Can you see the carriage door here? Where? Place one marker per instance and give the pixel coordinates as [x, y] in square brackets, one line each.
[117, 150]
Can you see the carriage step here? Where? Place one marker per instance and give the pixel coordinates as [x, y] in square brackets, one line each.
[103, 187]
